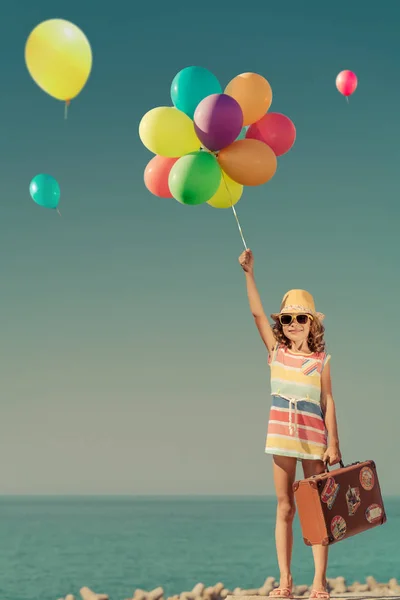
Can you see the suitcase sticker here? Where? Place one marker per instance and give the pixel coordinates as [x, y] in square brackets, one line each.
[353, 500]
[338, 527]
[367, 478]
[374, 513]
[330, 492]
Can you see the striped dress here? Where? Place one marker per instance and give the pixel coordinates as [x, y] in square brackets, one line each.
[296, 425]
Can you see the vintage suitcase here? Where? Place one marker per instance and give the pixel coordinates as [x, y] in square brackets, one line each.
[338, 504]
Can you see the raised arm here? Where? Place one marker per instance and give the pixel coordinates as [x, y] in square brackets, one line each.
[246, 260]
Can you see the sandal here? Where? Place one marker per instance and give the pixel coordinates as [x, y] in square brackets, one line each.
[281, 593]
[319, 595]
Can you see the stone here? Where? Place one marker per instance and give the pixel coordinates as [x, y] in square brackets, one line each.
[267, 587]
[394, 586]
[300, 590]
[88, 594]
[371, 583]
[156, 594]
[198, 589]
[70, 597]
[338, 586]
[224, 593]
[186, 596]
[140, 595]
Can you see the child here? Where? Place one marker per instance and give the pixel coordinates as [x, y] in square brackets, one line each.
[302, 417]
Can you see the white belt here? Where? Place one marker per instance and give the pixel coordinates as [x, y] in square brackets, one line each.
[293, 425]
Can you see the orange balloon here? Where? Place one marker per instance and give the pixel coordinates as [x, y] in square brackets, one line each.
[249, 162]
[253, 93]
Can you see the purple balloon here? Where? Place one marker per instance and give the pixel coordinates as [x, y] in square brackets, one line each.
[218, 120]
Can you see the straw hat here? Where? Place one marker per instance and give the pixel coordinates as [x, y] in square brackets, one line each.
[298, 302]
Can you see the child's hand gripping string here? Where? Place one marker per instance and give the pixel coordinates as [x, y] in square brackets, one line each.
[246, 261]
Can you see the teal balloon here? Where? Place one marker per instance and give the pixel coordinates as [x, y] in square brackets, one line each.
[242, 134]
[190, 86]
[195, 178]
[45, 191]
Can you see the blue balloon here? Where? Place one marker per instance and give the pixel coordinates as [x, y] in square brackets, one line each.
[242, 134]
[45, 191]
[190, 86]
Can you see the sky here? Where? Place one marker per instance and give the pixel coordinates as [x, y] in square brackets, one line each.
[129, 360]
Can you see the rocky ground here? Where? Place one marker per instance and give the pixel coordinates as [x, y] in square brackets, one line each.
[337, 587]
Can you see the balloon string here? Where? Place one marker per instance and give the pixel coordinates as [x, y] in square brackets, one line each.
[67, 103]
[58, 212]
[347, 99]
[234, 211]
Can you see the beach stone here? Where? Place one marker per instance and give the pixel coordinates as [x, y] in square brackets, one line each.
[394, 586]
[224, 593]
[338, 585]
[214, 591]
[88, 594]
[358, 587]
[300, 590]
[198, 589]
[267, 587]
[372, 584]
[186, 596]
[70, 597]
[140, 594]
[156, 594]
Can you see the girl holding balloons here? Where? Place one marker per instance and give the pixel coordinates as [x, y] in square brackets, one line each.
[302, 417]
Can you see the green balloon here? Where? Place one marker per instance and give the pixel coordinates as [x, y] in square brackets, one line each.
[195, 178]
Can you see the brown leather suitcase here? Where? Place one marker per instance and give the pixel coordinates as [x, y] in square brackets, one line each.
[339, 504]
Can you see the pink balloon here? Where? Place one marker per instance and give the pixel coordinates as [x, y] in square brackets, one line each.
[156, 175]
[275, 130]
[346, 82]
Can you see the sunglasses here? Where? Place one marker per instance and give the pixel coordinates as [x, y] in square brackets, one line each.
[300, 319]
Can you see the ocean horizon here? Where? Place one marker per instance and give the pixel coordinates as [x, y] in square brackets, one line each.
[53, 545]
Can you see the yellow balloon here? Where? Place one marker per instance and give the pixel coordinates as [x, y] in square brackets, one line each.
[59, 58]
[167, 131]
[228, 193]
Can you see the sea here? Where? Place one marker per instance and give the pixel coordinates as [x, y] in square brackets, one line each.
[52, 546]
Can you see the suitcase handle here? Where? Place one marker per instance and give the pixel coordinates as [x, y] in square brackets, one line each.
[341, 464]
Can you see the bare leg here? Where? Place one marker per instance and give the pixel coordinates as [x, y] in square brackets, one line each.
[284, 475]
[320, 553]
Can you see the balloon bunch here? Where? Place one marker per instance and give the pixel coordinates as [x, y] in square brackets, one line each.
[210, 144]
[58, 57]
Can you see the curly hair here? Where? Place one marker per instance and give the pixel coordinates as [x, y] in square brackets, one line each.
[315, 341]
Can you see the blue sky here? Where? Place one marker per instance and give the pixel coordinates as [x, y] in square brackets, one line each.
[130, 363]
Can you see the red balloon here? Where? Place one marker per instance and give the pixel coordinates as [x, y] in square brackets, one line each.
[275, 130]
[156, 175]
[346, 82]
